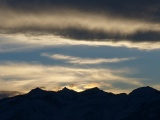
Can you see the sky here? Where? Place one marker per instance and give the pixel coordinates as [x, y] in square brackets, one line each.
[79, 44]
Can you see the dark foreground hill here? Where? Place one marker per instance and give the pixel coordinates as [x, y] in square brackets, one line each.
[93, 104]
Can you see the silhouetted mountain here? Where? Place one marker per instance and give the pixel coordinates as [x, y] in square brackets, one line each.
[65, 92]
[144, 91]
[92, 91]
[92, 104]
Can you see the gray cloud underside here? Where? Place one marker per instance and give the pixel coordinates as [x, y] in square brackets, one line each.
[128, 8]
[98, 20]
[5, 94]
[89, 35]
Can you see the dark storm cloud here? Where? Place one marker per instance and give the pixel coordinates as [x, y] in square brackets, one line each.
[131, 20]
[94, 35]
[141, 36]
[91, 35]
[131, 8]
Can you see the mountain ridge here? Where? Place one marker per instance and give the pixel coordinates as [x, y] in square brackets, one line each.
[91, 104]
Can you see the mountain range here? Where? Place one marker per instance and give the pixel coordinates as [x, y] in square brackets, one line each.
[92, 104]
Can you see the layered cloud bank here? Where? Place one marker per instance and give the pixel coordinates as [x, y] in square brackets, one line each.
[136, 21]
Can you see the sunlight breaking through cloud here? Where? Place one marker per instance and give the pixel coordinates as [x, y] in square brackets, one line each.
[24, 76]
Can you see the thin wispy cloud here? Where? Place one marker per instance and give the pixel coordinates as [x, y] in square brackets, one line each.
[85, 61]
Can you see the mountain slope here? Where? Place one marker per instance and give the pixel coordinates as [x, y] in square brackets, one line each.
[92, 104]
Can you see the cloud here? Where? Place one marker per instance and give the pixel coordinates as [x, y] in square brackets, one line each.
[84, 61]
[4, 94]
[74, 25]
[90, 20]
[128, 8]
[92, 85]
[21, 42]
[23, 77]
